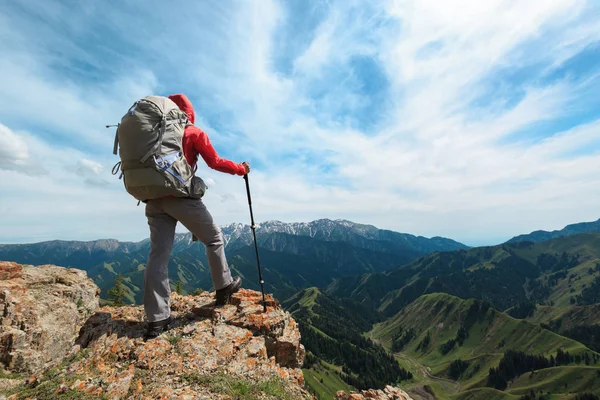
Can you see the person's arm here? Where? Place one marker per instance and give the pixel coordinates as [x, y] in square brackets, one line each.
[209, 155]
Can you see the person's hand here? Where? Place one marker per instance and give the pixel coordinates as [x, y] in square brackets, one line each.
[247, 166]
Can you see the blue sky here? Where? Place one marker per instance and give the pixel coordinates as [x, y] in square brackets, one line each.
[475, 120]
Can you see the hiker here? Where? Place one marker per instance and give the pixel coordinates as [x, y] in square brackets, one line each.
[158, 146]
[163, 214]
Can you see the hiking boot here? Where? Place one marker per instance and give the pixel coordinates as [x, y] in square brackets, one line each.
[223, 295]
[156, 328]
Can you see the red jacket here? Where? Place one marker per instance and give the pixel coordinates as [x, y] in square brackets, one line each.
[195, 142]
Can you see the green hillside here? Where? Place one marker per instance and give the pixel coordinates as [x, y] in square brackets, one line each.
[295, 256]
[581, 323]
[323, 379]
[464, 324]
[561, 272]
[337, 352]
[484, 394]
[569, 230]
[569, 317]
[564, 380]
[438, 329]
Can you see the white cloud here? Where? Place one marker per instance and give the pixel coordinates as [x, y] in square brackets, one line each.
[90, 171]
[86, 167]
[461, 148]
[14, 154]
[13, 150]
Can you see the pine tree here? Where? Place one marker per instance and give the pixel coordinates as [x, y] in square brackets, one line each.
[116, 295]
[178, 288]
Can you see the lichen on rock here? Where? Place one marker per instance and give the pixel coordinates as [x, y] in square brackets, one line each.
[56, 343]
[41, 311]
[389, 393]
[209, 352]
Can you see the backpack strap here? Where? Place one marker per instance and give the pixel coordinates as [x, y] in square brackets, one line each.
[116, 145]
[153, 149]
[163, 126]
[116, 168]
[165, 163]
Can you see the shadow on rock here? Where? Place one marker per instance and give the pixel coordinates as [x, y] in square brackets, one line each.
[107, 323]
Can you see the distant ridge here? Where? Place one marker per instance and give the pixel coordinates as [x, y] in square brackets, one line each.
[294, 255]
[340, 230]
[569, 230]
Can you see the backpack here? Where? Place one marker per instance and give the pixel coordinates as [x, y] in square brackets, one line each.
[149, 140]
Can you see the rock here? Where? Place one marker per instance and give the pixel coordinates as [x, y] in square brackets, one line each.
[49, 316]
[10, 270]
[206, 354]
[389, 393]
[41, 312]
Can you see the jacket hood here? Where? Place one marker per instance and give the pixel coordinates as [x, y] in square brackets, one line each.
[184, 105]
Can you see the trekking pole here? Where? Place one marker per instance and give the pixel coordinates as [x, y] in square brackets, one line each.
[253, 227]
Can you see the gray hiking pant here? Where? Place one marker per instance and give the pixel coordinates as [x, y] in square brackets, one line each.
[163, 215]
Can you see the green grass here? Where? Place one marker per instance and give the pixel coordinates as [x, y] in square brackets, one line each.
[484, 394]
[323, 379]
[12, 375]
[303, 300]
[564, 290]
[490, 336]
[570, 316]
[109, 268]
[587, 245]
[174, 339]
[433, 387]
[47, 384]
[45, 389]
[494, 333]
[273, 388]
[310, 295]
[560, 380]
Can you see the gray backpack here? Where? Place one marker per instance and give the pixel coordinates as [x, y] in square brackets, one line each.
[149, 142]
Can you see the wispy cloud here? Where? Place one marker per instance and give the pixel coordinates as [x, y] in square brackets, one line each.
[14, 153]
[469, 119]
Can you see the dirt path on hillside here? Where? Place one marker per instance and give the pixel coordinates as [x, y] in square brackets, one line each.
[450, 386]
[420, 393]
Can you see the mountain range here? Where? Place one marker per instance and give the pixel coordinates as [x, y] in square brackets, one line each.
[504, 275]
[457, 343]
[293, 256]
[569, 230]
[516, 321]
[451, 318]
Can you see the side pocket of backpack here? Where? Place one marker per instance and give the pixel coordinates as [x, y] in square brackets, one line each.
[176, 171]
[197, 187]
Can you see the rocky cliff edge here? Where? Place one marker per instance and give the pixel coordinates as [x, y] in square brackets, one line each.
[55, 343]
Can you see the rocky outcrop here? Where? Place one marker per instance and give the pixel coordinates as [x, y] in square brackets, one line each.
[41, 312]
[209, 353]
[55, 341]
[389, 393]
